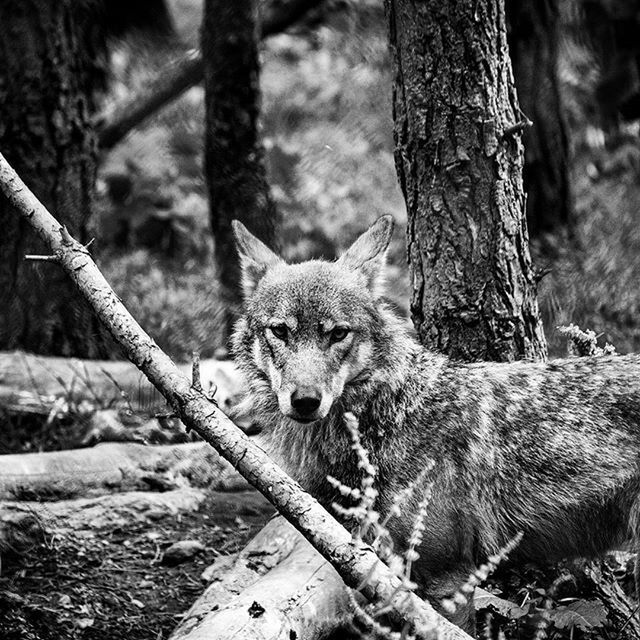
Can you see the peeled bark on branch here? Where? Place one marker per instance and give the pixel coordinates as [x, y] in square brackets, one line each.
[183, 74]
[356, 562]
[26, 524]
[279, 572]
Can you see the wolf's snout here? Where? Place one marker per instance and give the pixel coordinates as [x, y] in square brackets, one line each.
[306, 400]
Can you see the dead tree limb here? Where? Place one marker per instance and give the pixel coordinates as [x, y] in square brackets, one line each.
[31, 384]
[279, 576]
[113, 467]
[28, 523]
[357, 563]
[169, 85]
[183, 74]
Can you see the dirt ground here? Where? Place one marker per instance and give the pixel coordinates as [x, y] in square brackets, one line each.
[111, 583]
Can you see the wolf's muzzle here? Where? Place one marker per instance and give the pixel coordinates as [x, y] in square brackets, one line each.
[305, 402]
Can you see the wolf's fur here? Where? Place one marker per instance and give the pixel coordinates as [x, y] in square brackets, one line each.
[550, 449]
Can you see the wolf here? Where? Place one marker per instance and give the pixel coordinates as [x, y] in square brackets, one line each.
[549, 449]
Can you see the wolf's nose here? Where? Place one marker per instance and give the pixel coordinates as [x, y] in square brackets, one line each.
[306, 400]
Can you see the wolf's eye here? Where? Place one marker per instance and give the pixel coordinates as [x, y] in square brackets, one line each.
[279, 331]
[338, 334]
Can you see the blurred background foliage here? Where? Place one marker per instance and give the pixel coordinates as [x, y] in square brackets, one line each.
[326, 126]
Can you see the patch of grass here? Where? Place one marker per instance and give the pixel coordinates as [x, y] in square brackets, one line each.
[176, 303]
[595, 275]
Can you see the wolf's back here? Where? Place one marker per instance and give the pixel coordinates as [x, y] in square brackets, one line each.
[551, 449]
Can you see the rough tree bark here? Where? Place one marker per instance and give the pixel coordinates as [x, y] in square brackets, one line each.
[234, 165]
[45, 94]
[356, 562]
[459, 161]
[534, 43]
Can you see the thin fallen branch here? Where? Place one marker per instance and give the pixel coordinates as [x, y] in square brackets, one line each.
[183, 74]
[356, 562]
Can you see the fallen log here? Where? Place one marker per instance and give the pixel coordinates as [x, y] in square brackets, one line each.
[114, 467]
[33, 384]
[24, 525]
[356, 562]
[278, 587]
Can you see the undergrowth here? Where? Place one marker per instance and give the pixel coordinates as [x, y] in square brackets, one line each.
[177, 305]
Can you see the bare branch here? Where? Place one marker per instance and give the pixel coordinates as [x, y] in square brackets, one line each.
[518, 127]
[37, 258]
[354, 560]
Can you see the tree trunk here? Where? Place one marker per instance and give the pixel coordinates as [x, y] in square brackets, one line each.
[534, 39]
[234, 166]
[45, 131]
[460, 168]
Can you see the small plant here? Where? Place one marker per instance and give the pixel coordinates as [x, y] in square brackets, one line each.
[585, 343]
[461, 597]
[369, 526]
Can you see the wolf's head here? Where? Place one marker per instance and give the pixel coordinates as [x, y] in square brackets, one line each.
[311, 329]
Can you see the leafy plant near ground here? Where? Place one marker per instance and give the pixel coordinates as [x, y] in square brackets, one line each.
[585, 343]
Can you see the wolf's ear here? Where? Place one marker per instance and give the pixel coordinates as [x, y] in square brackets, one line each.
[255, 257]
[368, 254]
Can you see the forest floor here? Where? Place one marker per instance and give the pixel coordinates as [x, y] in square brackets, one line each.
[111, 583]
